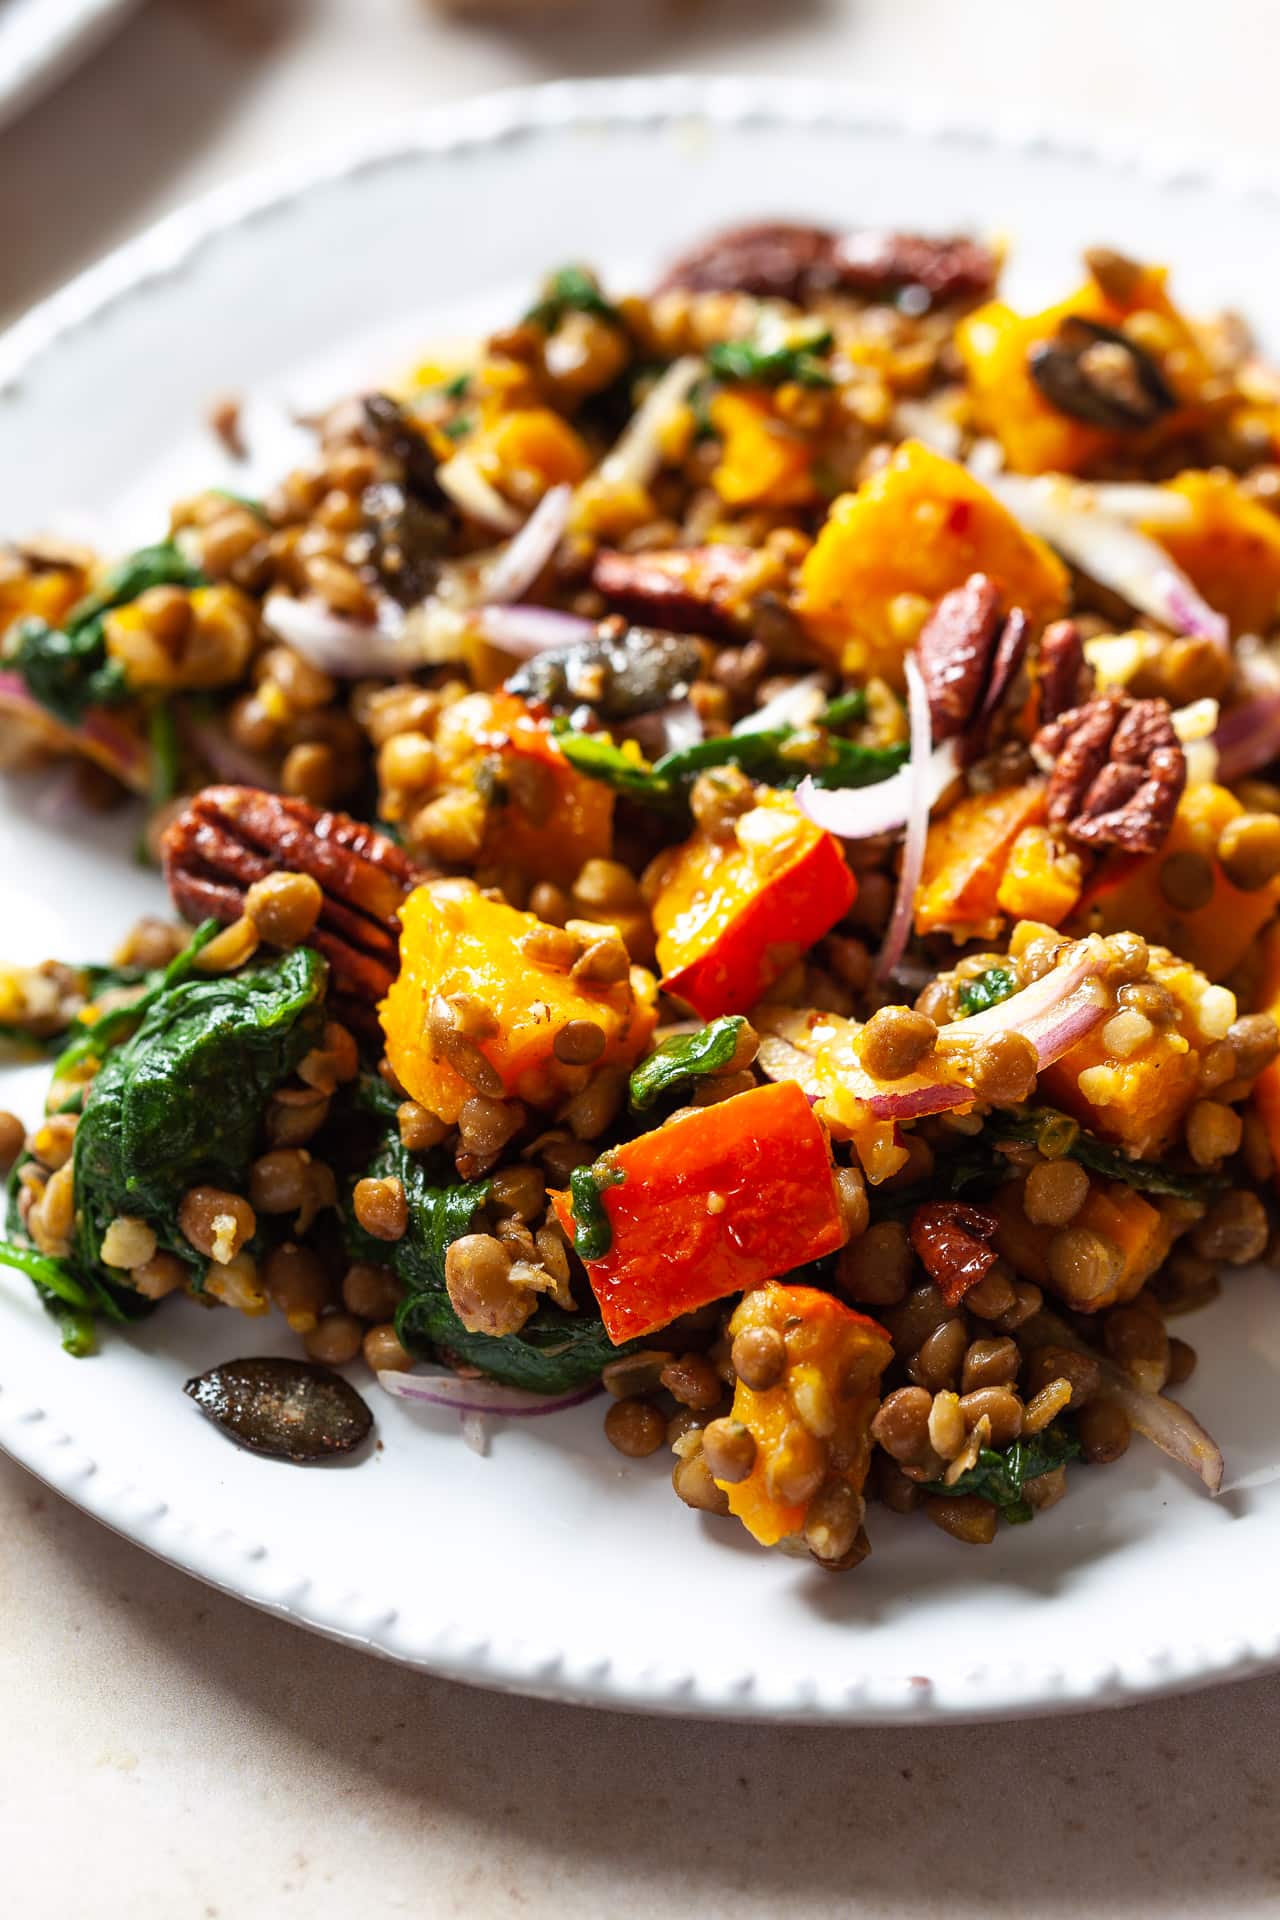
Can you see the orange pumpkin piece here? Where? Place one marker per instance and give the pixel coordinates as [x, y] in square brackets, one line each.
[733, 915]
[543, 815]
[994, 343]
[1040, 882]
[814, 1425]
[710, 1204]
[533, 446]
[46, 595]
[967, 861]
[1230, 548]
[1139, 1229]
[1139, 1099]
[1214, 937]
[912, 532]
[474, 990]
[764, 462]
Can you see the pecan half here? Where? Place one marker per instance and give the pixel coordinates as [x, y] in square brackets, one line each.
[1101, 376]
[950, 1239]
[1065, 677]
[785, 261]
[685, 589]
[955, 650]
[231, 836]
[1118, 771]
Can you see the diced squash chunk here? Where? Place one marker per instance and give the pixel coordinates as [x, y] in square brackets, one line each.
[733, 915]
[530, 450]
[713, 1203]
[473, 992]
[1138, 1097]
[764, 463]
[543, 815]
[1230, 549]
[995, 342]
[46, 595]
[967, 861]
[814, 1426]
[1125, 1220]
[1214, 937]
[1040, 881]
[912, 532]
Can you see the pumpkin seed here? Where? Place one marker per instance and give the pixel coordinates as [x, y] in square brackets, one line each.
[288, 1409]
[1097, 374]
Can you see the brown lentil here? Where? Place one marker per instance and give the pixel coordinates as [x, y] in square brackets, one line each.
[1186, 880]
[371, 1292]
[381, 1207]
[1050, 1363]
[1182, 1362]
[1000, 1407]
[692, 1477]
[635, 1427]
[1254, 1040]
[993, 1295]
[833, 1522]
[284, 907]
[990, 1363]
[937, 1361]
[215, 1223]
[1213, 1132]
[281, 1181]
[795, 1469]
[901, 1427]
[579, 1043]
[875, 1269]
[729, 1449]
[1235, 1229]
[1103, 1429]
[692, 1381]
[1185, 1282]
[1249, 850]
[1082, 1264]
[1054, 1192]
[895, 1041]
[334, 1340]
[383, 1352]
[477, 1273]
[296, 1282]
[1138, 1343]
[963, 1516]
[419, 1130]
[759, 1357]
[295, 1115]
[898, 1493]
[163, 1274]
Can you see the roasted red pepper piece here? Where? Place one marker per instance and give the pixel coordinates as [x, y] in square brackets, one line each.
[712, 1204]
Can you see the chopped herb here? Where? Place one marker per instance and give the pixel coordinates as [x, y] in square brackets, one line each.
[66, 668]
[987, 990]
[622, 767]
[1059, 1137]
[571, 290]
[258, 508]
[768, 361]
[1002, 1478]
[457, 388]
[685, 1056]
[592, 1233]
[459, 427]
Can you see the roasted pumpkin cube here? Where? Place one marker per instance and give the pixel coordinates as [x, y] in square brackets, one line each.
[717, 1201]
[1214, 936]
[1041, 881]
[1230, 548]
[484, 1001]
[812, 1428]
[733, 915]
[1140, 1233]
[765, 462]
[912, 532]
[542, 815]
[967, 858]
[1132, 1084]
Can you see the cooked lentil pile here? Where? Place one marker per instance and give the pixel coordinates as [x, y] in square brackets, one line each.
[800, 943]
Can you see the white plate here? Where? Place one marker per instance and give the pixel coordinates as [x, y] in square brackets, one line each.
[41, 39]
[552, 1566]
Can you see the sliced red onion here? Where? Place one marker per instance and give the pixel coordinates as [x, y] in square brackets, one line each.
[680, 725]
[344, 648]
[798, 705]
[860, 813]
[1248, 737]
[235, 765]
[467, 487]
[475, 1432]
[100, 736]
[637, 455]
[1067, 514]
[523, 558]
[480, 1396]
[529, 630]
[899, 928]
[1145, 505]
[1164, 1422]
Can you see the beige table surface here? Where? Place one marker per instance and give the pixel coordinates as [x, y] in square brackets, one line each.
[168, 1754]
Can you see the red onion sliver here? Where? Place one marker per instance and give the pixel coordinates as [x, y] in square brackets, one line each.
[346, 649]
[529, 630]
[467, 487]
[100, 736]
[1248, 737]
[899, 929]
[860, 813]
[480, 1396]
[637, 455]
[523, 558]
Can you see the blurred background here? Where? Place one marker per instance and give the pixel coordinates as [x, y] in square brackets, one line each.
[160, 99]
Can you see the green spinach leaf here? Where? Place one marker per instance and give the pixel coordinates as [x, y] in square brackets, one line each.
[767, 361]
[182, 1100]
[571, 290]
[685, 1056]
[1002, 1478]
[987, 990]
[1060, 1137]
[105, 1032]
[592, 1233]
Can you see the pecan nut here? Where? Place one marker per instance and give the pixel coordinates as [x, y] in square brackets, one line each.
[782, 260]
[1118, 771]
[702, 590]
[1064, 676]
[950, 1239]
[954, 653]
[229, 837]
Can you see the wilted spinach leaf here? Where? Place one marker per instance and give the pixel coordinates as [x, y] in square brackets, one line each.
[1002, 1478]
[1060, 1137]
[768, 362]
[685, 1056]
[987, 990]
[571, 290]
[66, 669]
[592, 1231]
[182, 1100]
[102, 1034]
[553, 1352]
